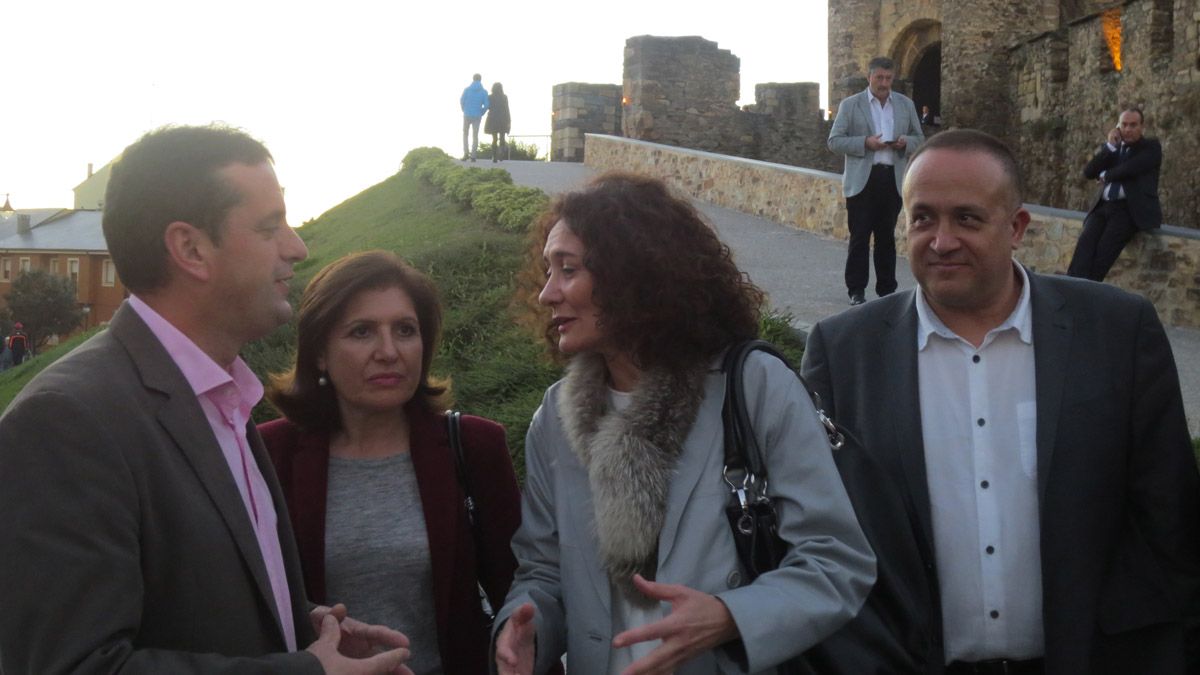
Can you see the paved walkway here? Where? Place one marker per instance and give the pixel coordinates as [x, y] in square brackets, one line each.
[802, 272]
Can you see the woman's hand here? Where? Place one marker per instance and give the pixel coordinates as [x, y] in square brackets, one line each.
[515, 643]
[697, 623]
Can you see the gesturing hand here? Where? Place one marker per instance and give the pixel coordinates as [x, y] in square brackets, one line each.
[358, 640]
[515, 645]
[697, 623]
[326, 649]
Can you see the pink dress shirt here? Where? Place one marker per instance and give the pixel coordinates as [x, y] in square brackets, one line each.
[227, 397]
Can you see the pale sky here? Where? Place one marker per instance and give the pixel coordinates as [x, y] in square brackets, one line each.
[338, 91]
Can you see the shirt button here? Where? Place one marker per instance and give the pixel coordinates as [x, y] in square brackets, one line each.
[980, 421]
[975, 358]
[984, 484]
[734, 579]
[990, 550]
[994, 614]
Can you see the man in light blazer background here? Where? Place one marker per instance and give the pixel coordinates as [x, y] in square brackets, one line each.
[876, 130]
[144, 527]
[1035, 427]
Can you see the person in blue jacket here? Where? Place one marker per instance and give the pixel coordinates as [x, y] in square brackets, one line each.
[474, 102]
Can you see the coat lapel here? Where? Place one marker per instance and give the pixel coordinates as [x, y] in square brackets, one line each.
[1053, 330]
[702, 441]
[183, 419]
[864, 109]
[441, 503]
[903, 400]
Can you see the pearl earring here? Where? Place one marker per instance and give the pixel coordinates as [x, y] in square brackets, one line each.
[322, 380]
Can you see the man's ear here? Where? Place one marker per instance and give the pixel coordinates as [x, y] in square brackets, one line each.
[1020, 223]
[189, 250]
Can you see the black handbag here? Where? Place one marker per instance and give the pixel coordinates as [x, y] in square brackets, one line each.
[751, 511]
[453, 428]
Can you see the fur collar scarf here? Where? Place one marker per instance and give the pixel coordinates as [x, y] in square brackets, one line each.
[630, 458]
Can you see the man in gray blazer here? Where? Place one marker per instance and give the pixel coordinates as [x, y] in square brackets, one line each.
[876, 130]
[1035, 428]
[145, 530]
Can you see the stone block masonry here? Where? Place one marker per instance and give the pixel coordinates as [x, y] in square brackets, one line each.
[1163, 266]
[580, 109]
[683, 91]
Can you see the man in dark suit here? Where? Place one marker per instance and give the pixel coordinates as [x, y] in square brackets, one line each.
[145, 530]
[1033, 428]
[1126, 165]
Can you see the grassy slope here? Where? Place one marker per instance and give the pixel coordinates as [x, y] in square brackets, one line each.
[13, 379]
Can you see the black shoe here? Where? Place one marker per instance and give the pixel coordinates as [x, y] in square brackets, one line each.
[857, 299]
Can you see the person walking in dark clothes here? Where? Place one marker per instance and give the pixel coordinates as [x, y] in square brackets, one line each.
[498, 120]
[18, 344]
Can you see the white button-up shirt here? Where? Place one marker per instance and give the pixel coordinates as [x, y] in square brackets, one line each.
[979, 424]
[883, 117]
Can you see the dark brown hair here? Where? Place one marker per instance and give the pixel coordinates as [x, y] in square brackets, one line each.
[168, 175]
[666, 287]
[295, 392]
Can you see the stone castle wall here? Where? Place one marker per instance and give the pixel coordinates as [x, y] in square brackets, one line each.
[1068, 94]
[1039, 74]
[1163, 266]
[580, 109]
[683, 92]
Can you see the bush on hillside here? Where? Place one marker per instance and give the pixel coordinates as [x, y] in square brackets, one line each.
[517, 151]
[462, 185]
[489, 192]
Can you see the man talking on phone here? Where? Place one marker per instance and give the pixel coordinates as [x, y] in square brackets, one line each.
[1126, 165]
[876, 130]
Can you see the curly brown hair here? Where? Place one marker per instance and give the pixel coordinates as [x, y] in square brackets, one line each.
[296, 392]
[667, 289]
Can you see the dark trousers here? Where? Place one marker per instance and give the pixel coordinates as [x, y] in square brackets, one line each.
[873, 212]
[1106, 230]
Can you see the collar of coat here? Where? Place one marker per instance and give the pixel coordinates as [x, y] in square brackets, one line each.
[630, 457]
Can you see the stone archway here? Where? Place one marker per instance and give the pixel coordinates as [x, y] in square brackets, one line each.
[927, 79]
[917, 52]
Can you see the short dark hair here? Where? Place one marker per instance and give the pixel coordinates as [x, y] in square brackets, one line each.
[667, 289]
[476, 77]
[967, 140]
[1134, 109]
[168, 175]
[881, 63]
[296, 392]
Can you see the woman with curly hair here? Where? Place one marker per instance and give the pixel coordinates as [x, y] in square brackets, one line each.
[626, 561]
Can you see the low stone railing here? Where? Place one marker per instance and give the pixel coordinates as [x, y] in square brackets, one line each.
[1163, 266]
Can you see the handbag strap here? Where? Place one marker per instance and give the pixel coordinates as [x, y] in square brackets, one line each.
[454, 431]
[741, 447]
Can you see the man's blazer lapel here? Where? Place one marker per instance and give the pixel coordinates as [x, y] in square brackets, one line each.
[1053, 329]
[901, 404]
[181, 416]
[864, 109]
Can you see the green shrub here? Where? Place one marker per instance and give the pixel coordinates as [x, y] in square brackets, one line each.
[516, 150]
[511, 207]
[776, 327]
[489, 192]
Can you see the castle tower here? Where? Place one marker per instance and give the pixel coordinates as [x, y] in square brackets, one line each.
[853, 42]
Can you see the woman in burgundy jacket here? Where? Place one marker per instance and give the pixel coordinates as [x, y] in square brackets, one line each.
[368, 472]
